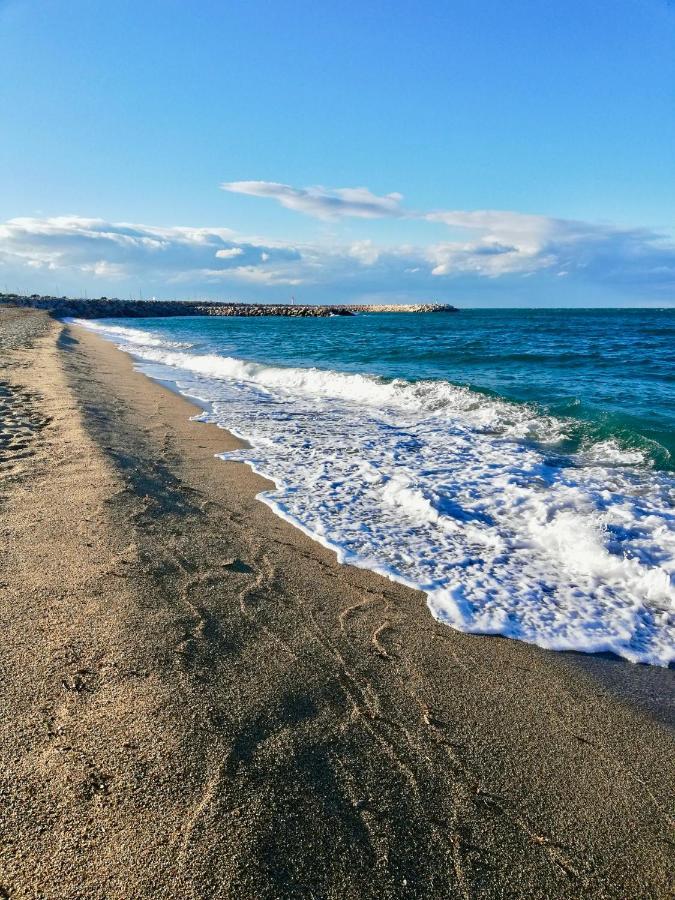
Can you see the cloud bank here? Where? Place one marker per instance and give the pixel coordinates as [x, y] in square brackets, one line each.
[494, 243]
[476, 253]
[122, 250]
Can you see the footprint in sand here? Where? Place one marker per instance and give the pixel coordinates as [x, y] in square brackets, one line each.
[237, 565]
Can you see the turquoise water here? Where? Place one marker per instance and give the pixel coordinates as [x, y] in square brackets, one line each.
[515, 465]
[613, 371]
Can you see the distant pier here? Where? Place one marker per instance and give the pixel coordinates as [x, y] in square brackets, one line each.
[105, 307]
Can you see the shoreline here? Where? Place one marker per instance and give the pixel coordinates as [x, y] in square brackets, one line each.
[613, 672]
[299, 727]
[331, 508]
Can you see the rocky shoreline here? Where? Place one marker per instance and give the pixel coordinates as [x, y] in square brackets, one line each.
[105, 307]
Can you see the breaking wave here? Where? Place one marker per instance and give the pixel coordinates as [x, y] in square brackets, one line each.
[475, 500]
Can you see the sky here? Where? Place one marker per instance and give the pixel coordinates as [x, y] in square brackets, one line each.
[475, 152]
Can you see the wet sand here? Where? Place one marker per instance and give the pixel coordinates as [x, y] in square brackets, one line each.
[197, 701]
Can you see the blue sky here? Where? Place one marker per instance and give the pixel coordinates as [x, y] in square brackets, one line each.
[485, 153]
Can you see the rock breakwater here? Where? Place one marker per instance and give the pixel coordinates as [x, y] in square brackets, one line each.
[105, 307]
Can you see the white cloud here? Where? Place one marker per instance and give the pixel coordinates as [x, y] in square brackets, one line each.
[485, 246]
[365, 252]
[508, 243]
[119, 250]
[487, 257]
[502, 225]
[489, 243]
[263, 276]
[321, 202]
[104, 269]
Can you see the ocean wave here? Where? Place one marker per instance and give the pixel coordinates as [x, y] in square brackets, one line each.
[481, 411]
[453, 492]
[129, 337]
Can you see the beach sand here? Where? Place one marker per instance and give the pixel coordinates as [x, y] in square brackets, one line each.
[197, 701]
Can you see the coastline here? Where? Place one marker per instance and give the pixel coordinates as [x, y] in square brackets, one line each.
[224, 710]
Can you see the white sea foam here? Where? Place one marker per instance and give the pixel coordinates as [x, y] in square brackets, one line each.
[129, 337]
[443, 488]
[610, 452]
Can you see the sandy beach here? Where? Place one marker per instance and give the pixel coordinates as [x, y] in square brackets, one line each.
[198, 701]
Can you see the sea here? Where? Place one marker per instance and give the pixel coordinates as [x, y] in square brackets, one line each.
[517, 466]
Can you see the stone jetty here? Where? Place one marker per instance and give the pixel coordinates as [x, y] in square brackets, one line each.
[105, 307]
